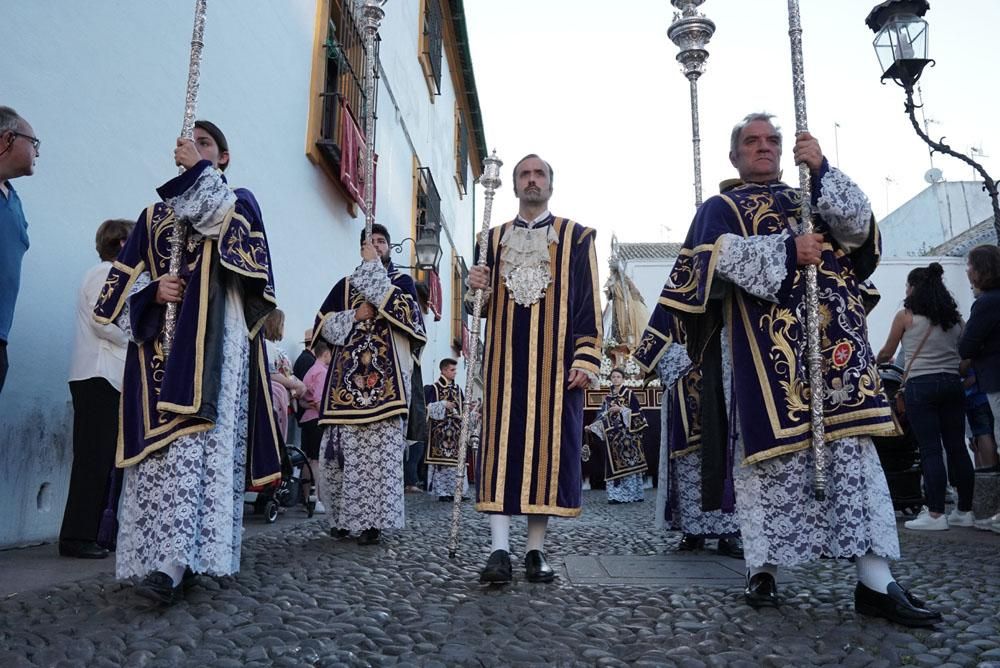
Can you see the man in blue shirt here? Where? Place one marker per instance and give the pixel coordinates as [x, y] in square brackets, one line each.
[18, 150]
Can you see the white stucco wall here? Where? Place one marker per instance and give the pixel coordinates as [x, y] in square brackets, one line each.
[103, 85]
[940, 212]
[890, 279]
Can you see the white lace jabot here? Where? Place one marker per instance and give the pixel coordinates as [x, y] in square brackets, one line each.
[524, 262]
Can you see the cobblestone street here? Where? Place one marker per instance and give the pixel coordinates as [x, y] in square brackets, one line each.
[623, 598]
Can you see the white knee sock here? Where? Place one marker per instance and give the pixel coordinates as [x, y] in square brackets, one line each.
[500, 532]
[771, 569]
[537, 524]
[874, 573]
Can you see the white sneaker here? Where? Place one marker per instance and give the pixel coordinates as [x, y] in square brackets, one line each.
[956, 518]
[987, 523]
[924, 522]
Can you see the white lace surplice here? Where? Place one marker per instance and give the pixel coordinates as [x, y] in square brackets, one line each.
[688, 515]
[781, 521]
[184, 504]
[675, 361]
[625, 489]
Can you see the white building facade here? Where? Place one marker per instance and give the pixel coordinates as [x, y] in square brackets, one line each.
[108, 105]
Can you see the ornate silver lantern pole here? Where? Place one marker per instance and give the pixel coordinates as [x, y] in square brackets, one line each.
[490, 180]
[816, 386]
[178, 236]
[691, 31]
[371, 18]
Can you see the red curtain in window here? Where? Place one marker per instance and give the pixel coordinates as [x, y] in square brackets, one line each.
[352, 155]
[435, 298]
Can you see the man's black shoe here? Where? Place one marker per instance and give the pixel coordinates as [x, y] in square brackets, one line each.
[81, 549]
[189, 579]
[339, 533]
[498, 569]
[690, 543]
[446, 499]
[761, 591]
[536, 568]
[370, 537]
[157, 586]
[896, 605]
[730, 546]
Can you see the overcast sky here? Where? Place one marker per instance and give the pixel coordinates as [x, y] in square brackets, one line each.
[594, 87]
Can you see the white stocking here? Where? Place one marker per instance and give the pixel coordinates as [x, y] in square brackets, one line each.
[500, 532]
[537, 524]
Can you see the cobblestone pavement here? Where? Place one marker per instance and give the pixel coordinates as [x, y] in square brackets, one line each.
[304, 598]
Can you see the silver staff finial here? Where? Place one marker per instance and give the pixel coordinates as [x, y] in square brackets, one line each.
[691, 32]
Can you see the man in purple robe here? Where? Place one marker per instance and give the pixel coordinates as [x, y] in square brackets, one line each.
[198, 423]
[372, 319]
[542, 347]
[738, 288]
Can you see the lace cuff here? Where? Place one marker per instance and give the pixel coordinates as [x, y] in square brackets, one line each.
[372, 281]
[124, 319]
[755, 264]
[338, 326]
[597, 428]
[674, 363]
[845, 208]
[437, 410]
[205, 204]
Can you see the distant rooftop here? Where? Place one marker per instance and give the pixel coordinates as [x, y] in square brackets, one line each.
[959, 246]
[646, 251]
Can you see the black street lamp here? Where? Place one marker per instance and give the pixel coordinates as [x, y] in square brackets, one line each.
[901, 46]
[427, 247]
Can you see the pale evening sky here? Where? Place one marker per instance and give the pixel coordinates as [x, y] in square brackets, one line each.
[594, 87]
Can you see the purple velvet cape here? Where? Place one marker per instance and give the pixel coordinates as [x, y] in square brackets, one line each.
[165, 399]
[443, 435]
[529, 460]
[365, 382]
[770, 374]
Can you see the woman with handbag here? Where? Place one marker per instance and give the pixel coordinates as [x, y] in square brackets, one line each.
[929, 327]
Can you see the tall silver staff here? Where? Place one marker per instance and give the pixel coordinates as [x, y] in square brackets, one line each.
[691, 31]
[816, 387]
[490, 181]
[178, 236]
[371, 15]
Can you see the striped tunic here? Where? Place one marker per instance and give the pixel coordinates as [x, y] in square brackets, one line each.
[529, 460]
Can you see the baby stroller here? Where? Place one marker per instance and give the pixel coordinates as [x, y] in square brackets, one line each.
[899, 454]
[286, 492]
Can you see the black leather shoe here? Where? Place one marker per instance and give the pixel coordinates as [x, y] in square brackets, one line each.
[761, 591]
[189, 579]
[896, 605]
[158, 587]
[498, 569]
[81, 549]
[690, 543]
[339, 533]
[730, 546]
[446, 499]
[536, 568]
[370, 537]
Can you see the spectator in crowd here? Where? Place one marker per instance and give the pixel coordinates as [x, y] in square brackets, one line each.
[315, 381]
[285, 387]
[930, 326]
[95, 382]
[980, 419]
[18, 151]
[305, 360]
[980, 343]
